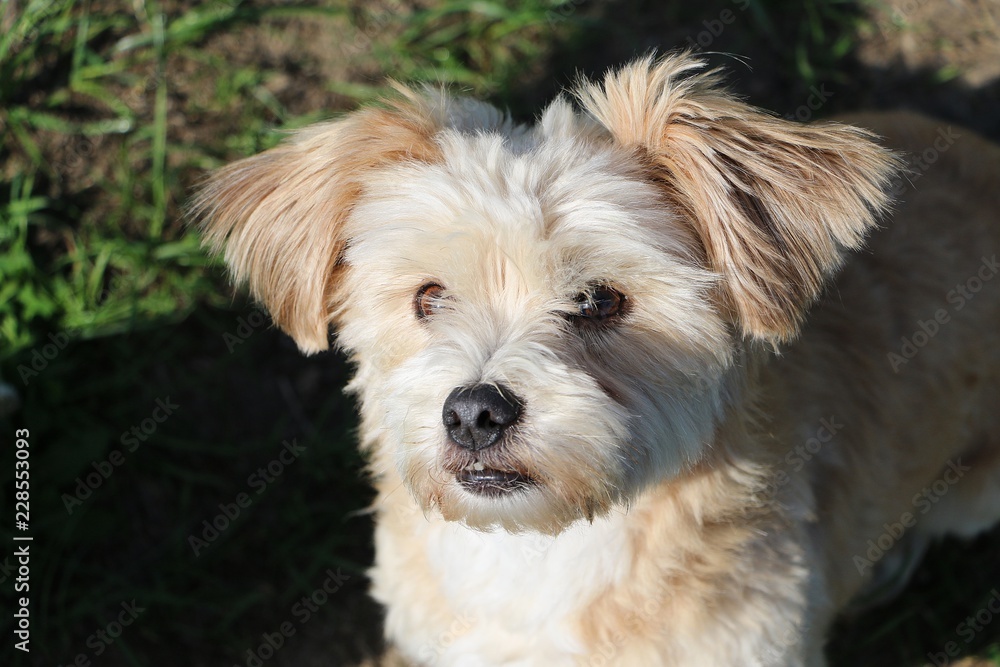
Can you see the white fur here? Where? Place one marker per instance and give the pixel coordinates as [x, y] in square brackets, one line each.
[536, 217]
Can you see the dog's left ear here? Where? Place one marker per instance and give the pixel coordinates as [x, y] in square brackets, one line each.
[775, 203]
[278, 217]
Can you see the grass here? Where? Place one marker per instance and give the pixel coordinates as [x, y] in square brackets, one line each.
[93, 171]
[110, 113]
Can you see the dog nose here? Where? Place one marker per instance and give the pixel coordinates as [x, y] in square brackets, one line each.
[477, 416]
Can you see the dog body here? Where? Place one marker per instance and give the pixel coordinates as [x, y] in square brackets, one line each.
[586, 448]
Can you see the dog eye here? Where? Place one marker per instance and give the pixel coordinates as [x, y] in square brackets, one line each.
[429, 300]
[598, 304]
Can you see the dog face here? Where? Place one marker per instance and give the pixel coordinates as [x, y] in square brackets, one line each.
[518, 300]
[545, 319]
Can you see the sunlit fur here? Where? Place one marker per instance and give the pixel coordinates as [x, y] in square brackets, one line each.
[655, 533]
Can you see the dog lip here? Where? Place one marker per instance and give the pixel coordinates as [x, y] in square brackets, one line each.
[490, 481]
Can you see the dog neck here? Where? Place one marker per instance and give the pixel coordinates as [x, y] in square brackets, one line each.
[673, 543]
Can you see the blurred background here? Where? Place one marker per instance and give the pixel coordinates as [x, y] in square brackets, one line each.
[194, 480]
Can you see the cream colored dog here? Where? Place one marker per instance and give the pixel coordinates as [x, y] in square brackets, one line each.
[598, 434]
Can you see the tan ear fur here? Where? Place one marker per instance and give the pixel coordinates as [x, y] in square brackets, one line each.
[775, 203]
[278, 216]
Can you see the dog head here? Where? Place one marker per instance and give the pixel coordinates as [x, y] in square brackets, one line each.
[545, 318]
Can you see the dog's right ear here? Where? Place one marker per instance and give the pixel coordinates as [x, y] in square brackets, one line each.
[278, 217]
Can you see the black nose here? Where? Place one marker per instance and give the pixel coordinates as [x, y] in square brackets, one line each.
[477, 416]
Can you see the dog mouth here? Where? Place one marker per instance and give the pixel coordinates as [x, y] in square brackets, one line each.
[478, 479]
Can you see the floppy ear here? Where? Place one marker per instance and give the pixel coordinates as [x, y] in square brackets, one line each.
[278, 217]
[775, 203]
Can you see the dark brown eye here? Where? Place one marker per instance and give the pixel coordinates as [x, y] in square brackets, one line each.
[429, 300]
[599, 304]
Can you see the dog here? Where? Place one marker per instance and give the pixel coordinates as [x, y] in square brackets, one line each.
[660, 379]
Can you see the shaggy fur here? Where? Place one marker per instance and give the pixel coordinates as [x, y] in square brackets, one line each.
[699, 475]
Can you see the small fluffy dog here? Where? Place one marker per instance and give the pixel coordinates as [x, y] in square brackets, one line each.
[599, 431]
